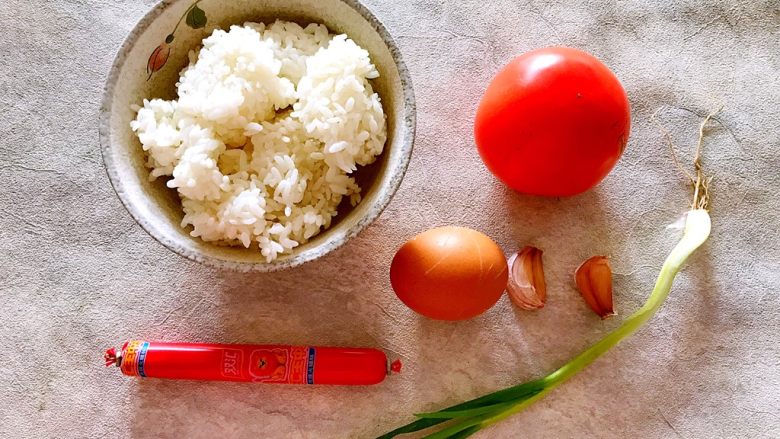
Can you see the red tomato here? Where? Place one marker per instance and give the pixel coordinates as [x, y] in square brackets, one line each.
[553, 122]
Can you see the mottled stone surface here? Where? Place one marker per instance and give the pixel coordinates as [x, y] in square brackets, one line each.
[79, 275]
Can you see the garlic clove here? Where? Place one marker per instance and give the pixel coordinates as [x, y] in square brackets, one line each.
[526, 286]
[594, 280]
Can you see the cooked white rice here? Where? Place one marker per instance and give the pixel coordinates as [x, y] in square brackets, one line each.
[270, 123]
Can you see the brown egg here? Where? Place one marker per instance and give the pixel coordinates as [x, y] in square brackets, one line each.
[449, 273]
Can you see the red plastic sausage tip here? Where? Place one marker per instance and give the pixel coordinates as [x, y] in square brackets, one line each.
[395, 366]
[110, 356]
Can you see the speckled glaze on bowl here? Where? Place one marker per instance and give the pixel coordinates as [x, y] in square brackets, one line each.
[157, 208]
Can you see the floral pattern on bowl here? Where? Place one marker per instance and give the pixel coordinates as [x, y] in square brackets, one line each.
[194, 17]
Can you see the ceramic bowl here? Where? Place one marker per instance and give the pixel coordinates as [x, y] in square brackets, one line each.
[147, 66]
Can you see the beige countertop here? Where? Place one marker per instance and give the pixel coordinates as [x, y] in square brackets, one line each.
[78, 275]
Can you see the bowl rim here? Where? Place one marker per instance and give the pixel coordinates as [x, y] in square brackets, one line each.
[408, 121]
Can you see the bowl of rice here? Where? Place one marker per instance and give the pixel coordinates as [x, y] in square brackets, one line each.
[257, 136]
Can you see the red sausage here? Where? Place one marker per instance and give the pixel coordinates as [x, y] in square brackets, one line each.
[252, 363]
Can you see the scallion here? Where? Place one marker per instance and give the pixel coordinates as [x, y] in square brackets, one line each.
[471, 416]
